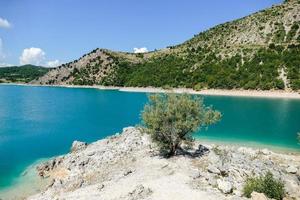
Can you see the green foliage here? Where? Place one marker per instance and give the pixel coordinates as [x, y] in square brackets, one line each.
[24, 74]
[198, 86]
[280, 33]
[157, 72]
[267, 184]
[171, 119]
[291, 59]
[203, 69]
[291, 34]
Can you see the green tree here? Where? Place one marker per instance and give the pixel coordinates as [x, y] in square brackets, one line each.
[171, 119]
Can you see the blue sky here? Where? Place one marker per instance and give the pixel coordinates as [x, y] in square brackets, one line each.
[50, 32]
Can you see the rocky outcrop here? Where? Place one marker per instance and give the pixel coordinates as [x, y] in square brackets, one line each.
[78, 146]
[127, 166]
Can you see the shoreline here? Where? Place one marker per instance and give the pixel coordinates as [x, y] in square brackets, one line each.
[249, 144]
[25, 184]
[209, 92]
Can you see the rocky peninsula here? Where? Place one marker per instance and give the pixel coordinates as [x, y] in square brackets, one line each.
[128, 166]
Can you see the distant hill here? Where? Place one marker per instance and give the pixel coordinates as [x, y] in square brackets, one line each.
[260, 51]
[21, 74]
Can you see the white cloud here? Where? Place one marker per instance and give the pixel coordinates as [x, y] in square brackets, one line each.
[140, 50]
[33, 56]
[53, 63]
[4, 23]
[36, 56]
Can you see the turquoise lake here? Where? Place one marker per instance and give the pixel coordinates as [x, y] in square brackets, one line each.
[41, 122]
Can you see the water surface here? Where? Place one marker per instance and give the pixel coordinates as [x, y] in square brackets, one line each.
[41, 122]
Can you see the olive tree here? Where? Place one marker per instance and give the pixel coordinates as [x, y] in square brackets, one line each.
[170, 119]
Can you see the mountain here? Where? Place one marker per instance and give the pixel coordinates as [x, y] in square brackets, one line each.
[260, 51]
[21, 74]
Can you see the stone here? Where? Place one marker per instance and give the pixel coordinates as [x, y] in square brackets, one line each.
[126, 173]
[140, 192]
[91, 153]
[213, 169]
[238, 193]
[224, 186]
[292, 169]
[287, 198]
[224, 171]
[212, 181]
[77, 146]
[100, 187]
[258, 196]
[291, 187]
[265, 152]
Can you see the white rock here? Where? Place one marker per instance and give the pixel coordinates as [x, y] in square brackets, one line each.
[213, 169]
[77, 146]
[258, 196]
[266, 152]
[292, 169]
[224, 186]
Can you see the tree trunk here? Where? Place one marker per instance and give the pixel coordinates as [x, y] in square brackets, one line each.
[173, 150]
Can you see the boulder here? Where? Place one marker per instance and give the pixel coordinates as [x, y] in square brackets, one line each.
[258, 196]
[292, 188]
[292, 169]
[224, 186]
[265, 152]
[77, 146]
[213, 169]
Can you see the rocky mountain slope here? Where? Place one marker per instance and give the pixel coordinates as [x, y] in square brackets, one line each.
[127, 166]
[260, 51]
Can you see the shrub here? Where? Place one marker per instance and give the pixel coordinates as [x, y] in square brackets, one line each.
[171, 118]
[265, 184]
[198, 87]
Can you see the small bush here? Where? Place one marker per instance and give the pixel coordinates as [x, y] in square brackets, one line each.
[170, 119]
[267, 184]
[198, 87]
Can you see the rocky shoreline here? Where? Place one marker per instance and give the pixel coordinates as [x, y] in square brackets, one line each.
[127, 166]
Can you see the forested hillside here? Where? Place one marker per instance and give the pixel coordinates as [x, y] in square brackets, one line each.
[22, 74]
